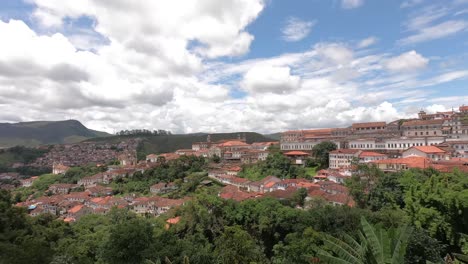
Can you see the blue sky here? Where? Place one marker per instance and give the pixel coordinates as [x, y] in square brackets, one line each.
[208, 65]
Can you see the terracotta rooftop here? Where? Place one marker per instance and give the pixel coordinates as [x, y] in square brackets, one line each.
[173, 221]
[369, 124]
[429, 149]
[232, 143]
[296, 153]
[75, 209]
[371, 154]
[345, 151]
[411, 162]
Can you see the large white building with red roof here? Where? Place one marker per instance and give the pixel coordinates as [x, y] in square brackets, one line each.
[430, 152]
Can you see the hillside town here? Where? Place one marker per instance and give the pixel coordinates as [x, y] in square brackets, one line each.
[437, 140]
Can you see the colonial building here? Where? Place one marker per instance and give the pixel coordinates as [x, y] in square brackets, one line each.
[420, 128]
[342, 158]
[430, 152]
[369, 156]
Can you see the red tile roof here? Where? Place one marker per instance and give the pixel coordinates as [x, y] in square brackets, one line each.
[173, 221]
[345, 151]
[371, 154]
[296, 153]
[75, 209]
[411, 162]
[232, 143]
[429, 149]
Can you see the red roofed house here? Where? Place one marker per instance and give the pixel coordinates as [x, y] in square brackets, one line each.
[403, 163]
[263, 145]
[172, 221]
[77, 211]
[263, 185]
[368, 156]
[342, 158]
[28, 182]
[430, 152]
[232, 192]
[59, 169]
[297, 157]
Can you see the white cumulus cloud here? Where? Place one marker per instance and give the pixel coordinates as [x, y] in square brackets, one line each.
[407, 62]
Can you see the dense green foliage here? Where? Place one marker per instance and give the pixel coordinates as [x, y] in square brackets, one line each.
[411, 217]
[44, 133]
[435, 203]
[375, 245]
[321, 151]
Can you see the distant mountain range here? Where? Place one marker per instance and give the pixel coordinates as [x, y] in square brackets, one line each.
[31, 134]
[37, 133]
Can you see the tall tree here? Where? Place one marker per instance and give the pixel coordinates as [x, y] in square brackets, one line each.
[236, 246]
[321, 152]
[128, 242]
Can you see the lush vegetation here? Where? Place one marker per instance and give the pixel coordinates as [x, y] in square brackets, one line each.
[321, 151]
[417, 216]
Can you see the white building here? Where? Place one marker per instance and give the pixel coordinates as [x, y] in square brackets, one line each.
[430, 152]
[342, 158]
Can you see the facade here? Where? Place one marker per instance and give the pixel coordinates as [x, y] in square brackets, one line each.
[369, 156]
[342, 158]
[59, 169]
[421, 128]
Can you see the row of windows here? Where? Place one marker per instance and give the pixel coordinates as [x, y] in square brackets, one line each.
[419, 127]
[389, 145]
[421, 133]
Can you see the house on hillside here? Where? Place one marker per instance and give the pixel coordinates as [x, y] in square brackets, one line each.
[431, 152]
[59, 169]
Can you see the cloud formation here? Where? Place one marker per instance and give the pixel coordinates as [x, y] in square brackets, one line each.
[296, 29]
[349, 4]
[407, 62]
[180, 66]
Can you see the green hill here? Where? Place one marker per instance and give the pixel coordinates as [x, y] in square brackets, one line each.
[170, 143]
[37, 133]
